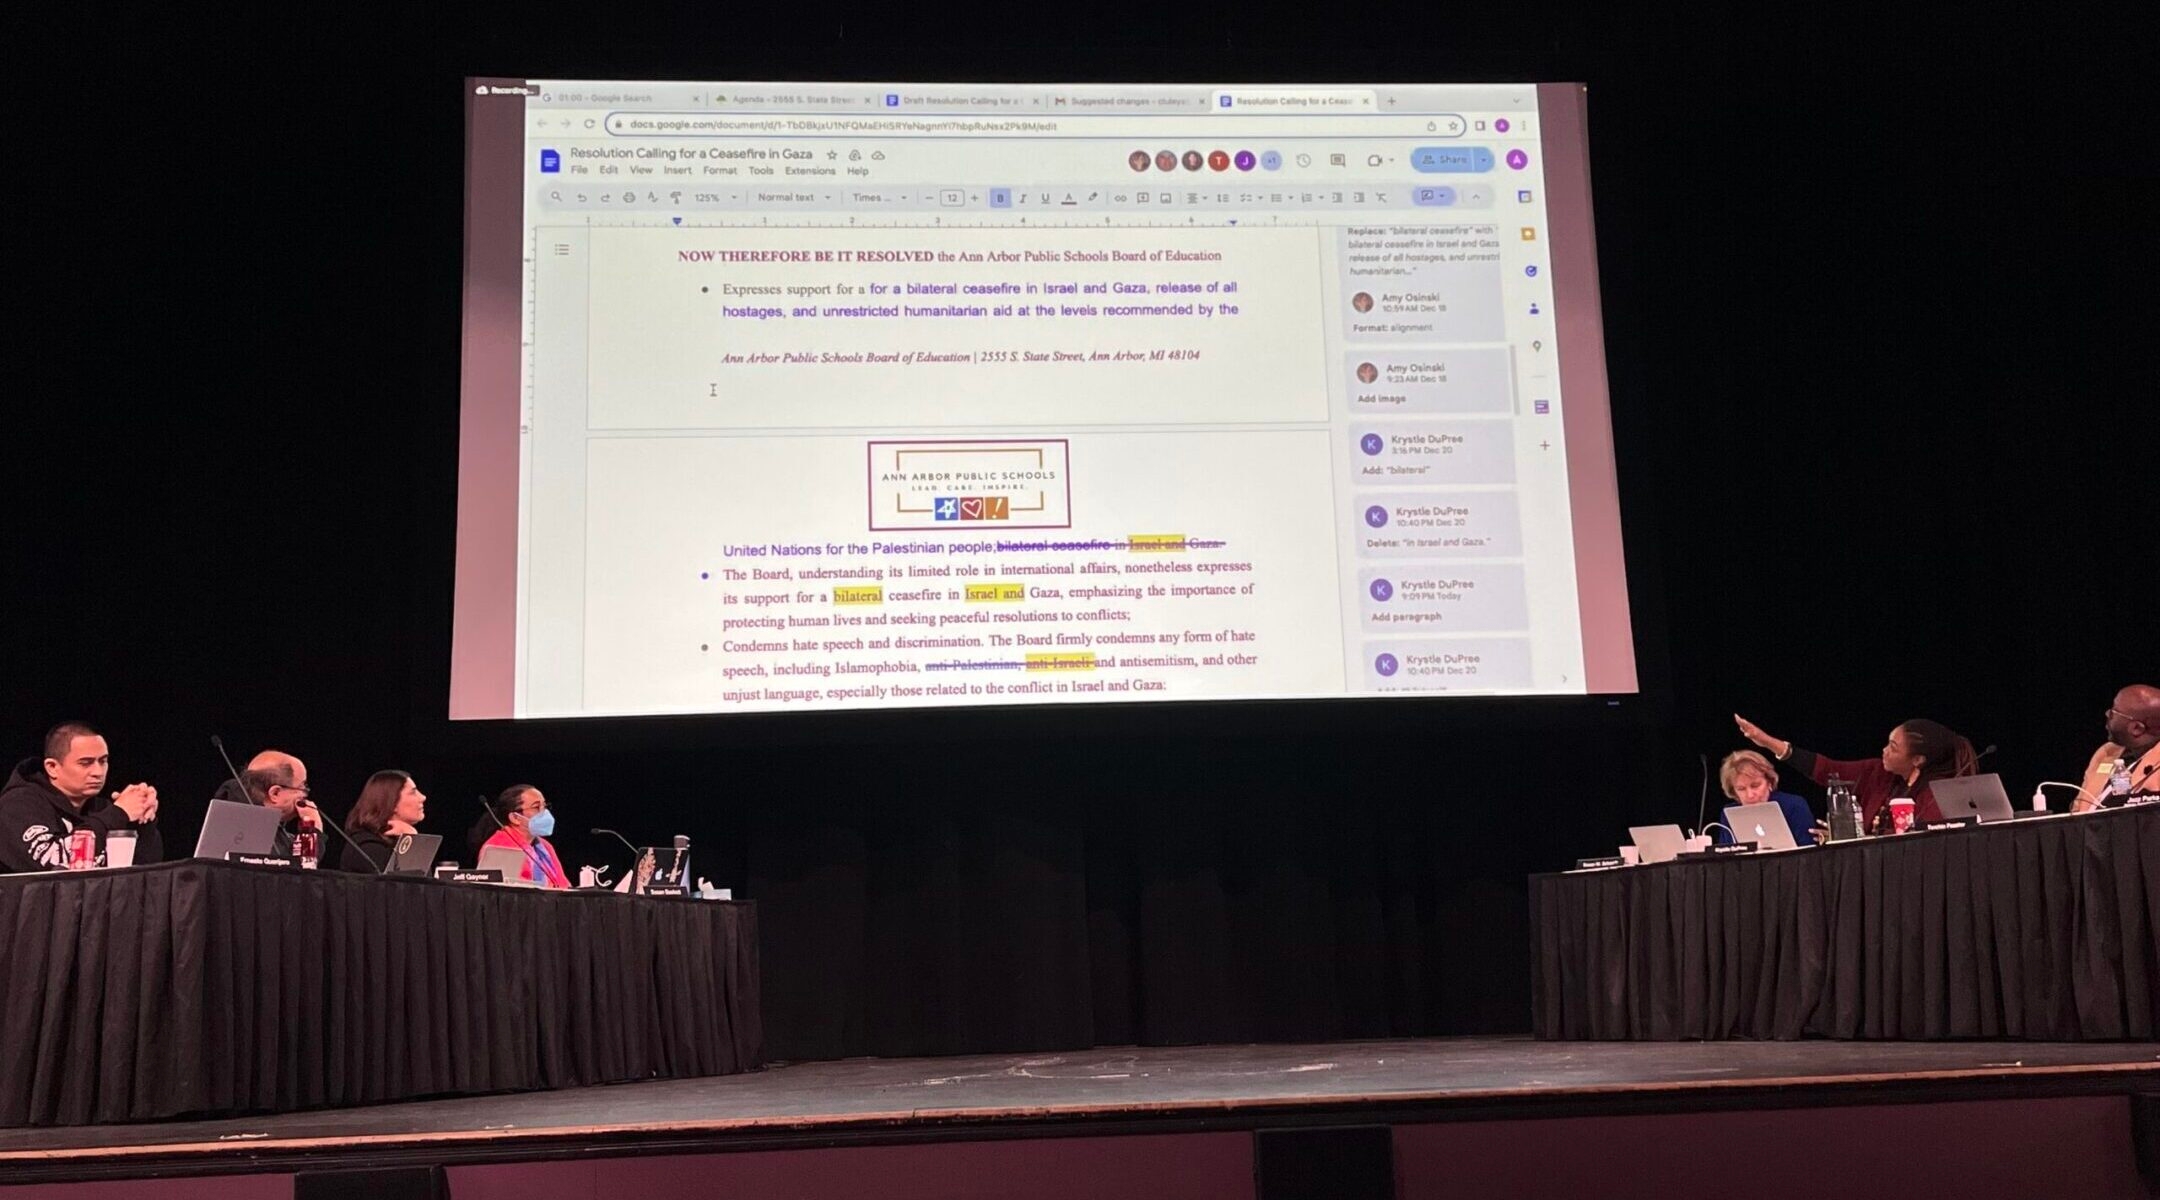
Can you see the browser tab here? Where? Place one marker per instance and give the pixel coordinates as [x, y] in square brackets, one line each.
[1295, 100]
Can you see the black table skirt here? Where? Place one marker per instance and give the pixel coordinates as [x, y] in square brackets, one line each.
[206, 987]
[2042, 929]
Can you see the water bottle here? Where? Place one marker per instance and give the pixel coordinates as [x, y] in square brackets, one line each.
[1844, 811]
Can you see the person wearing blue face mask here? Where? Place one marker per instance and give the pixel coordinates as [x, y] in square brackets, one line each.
[521, 820]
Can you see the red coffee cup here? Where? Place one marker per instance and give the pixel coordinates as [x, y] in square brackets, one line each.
[1901, 814]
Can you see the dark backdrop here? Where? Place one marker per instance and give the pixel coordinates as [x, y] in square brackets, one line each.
[1878, 307]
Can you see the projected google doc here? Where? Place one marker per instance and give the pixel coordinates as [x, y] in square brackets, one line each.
[846, 449]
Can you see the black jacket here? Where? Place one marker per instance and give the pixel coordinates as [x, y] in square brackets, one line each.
[35, 820]
[367, 853]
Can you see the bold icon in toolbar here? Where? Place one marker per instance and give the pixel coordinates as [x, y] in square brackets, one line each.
[1245, 160]
[1218, 160]
[550, 162]
[1517, 160]
[1192, 160]
[1166, 160]
[1138, 160]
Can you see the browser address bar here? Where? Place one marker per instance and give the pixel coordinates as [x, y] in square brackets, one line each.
[696, 124]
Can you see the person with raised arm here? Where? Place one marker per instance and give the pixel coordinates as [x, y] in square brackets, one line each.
[1916, 754]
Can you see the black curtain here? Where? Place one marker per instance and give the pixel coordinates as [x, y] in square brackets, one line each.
[2045, 929]
[199, 987]
[1225, 891]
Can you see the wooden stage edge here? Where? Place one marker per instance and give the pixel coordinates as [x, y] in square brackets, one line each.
[1098, 1092]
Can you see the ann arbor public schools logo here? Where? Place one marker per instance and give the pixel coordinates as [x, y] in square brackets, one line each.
[971, 508]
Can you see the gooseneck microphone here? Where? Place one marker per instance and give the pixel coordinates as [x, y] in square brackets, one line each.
[1702, 800]
[620, 838]
[321, 821]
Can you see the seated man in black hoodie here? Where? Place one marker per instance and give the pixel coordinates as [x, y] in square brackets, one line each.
[276, 780]
[46, 800]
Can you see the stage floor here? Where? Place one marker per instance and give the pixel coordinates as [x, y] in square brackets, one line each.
[1127, 1090]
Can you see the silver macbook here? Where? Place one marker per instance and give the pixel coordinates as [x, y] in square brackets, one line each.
[510, 860]
[1979, 796]
[230, 828]
[1658, 843]
[1762, 824]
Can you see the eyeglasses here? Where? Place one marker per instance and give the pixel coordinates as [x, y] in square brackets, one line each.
[293, 787]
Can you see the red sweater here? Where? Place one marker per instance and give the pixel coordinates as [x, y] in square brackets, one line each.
[1875, 787]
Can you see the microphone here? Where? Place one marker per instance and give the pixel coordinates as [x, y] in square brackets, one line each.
[321, 821]
[1703, 799]
[618, 837]
[539, 868]
[1983, 754]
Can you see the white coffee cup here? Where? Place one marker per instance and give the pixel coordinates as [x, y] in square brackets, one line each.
[120, 848]
[1630, 855]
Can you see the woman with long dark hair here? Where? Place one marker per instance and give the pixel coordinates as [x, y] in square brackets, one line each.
[390, 807]
[1917, 753]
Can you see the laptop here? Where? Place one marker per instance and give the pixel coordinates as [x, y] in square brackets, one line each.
[238, 828]
[1979, 796]
[1658, 843]
[1762, 824]
[413, 854]
[512, 861]
[661, 866]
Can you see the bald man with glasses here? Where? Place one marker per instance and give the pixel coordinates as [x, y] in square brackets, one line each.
[2128, 764]
[275, 779]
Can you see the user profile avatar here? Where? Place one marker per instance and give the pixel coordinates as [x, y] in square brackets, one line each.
[1138, 160]
[1166, 160]
[1192, 160]
[1362, 302]
[1366, 372]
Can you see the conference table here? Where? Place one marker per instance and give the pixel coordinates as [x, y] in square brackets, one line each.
[2044, 928]
[207, 987]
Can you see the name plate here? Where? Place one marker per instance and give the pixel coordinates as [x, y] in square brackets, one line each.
[1721, 851]
[462, 875]
[667, 889]
[1599, 862]
[259, 860]
[1953, 823]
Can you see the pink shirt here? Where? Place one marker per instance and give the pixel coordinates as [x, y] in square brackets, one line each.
[552, 862]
